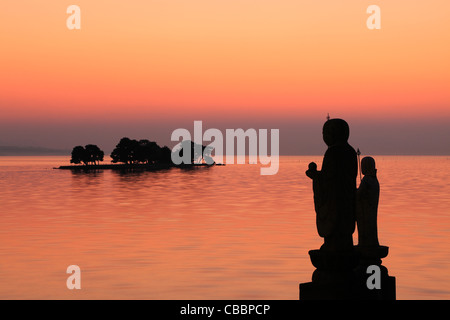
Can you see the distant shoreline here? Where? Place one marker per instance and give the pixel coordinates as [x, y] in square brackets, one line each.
[147, 167]
[14, 151]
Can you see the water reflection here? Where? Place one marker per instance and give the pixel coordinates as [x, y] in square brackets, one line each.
[216, 233]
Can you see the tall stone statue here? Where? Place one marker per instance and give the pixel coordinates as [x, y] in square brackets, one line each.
[334, 188]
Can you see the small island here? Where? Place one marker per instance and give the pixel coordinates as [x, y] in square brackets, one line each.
[130, 154]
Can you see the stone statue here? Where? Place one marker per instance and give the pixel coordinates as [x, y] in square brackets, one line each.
[342, 269]
[368, 194]
[334, 188]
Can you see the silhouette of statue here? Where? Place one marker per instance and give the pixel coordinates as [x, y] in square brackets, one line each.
[335, 188]
[368, 194]
[341, 269]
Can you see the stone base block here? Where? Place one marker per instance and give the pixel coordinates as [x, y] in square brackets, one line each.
[348, 291]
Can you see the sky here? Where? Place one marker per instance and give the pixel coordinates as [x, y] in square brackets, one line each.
[145, 68]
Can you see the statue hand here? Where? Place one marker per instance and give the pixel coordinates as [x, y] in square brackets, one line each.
[312, 166]
[310, 174]
[312, 170]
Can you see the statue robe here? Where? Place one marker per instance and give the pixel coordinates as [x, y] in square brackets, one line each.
[366, 211]
[335, 196]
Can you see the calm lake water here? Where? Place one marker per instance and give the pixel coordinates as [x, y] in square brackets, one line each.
[207, 233]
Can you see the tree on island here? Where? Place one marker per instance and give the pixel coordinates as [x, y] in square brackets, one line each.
[165, 155]
[147, 151]
[78, 155]
[94, 154]
[124, 151]
[198, 152]
[86, 155]
[130, 151]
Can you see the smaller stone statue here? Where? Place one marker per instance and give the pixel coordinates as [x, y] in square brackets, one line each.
[367, 197]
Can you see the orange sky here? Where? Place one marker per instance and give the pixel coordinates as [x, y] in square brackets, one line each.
[226, 58]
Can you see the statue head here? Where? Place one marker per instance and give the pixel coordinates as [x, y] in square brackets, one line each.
[368, 166]
[335, 131]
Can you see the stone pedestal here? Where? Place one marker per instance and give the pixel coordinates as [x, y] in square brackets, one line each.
[343, 275]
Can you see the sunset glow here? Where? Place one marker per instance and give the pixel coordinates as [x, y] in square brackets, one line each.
[246, 58]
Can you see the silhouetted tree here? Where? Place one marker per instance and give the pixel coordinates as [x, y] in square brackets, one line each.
[165, 155]
[196, 153]
[207, 155]
[78, 155]
[147, 151]
[132, 151]
[124, 151]
[94, 154]
[86, 155]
